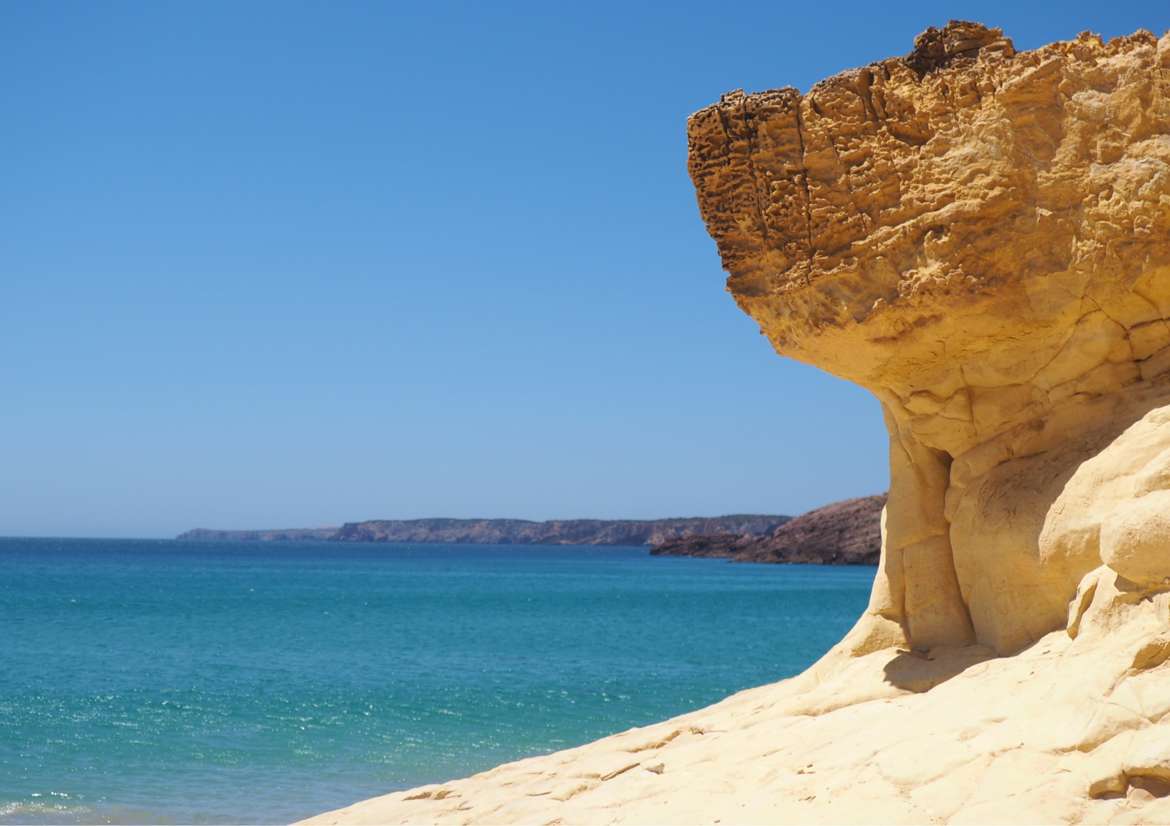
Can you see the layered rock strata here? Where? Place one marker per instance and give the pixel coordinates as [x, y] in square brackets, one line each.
[982, 239]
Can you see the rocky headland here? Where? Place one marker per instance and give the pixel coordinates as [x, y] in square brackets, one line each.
[981, 238]
[843, 533]
[512, 531]
[272, 535]
[554, 532]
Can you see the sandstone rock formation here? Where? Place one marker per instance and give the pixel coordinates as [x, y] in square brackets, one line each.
[840, 533]
[981, 238]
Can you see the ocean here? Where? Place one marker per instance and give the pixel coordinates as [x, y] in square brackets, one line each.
[178, 682]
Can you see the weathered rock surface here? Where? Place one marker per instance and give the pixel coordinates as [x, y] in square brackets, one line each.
[982, 239]
[841, 533]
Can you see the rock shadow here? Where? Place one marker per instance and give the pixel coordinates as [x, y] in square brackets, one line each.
[920, 671]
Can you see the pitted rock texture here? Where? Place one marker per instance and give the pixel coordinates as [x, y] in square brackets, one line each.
[982, 238]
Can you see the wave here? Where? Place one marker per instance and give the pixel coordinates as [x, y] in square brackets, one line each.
[42, 813]
[19, 811]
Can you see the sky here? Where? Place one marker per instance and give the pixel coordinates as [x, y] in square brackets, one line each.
[284, 264]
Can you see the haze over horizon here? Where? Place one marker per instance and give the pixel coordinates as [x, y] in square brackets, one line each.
[291, 265]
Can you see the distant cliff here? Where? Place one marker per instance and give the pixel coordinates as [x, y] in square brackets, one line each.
[514, 531]
[275, 535]
[843, 533]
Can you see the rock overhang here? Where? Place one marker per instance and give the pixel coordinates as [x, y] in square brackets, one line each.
[981, 237]
[947, 219]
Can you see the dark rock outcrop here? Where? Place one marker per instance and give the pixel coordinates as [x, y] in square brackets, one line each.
[843, 533]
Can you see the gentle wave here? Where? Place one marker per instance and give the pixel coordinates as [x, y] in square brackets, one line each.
[38, 812]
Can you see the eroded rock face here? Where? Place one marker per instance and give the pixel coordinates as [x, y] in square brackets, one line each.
[982, 238]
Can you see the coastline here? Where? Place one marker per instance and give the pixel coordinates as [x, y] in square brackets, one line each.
[845, 742]
[450, 531]
[956, 736]
[847, 532]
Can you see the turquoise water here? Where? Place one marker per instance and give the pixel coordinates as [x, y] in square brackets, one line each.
[157, 681]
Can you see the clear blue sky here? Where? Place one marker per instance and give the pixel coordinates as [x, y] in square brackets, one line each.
[290, 264]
